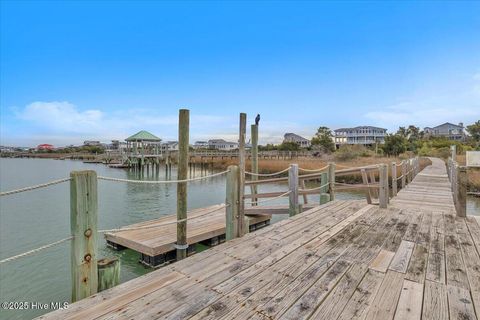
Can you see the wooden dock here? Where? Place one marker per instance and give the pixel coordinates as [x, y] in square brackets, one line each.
[157, 244]
[343, 260]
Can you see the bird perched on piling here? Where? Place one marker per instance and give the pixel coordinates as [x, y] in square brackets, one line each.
[257, 119]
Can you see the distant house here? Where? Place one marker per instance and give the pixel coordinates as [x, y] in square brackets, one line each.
[200, 145]
[362, 135]
[301, 141]
[220, 144]
[169, 146]
[447, 130]
[117, 145]
[92, 143]
[45, 147]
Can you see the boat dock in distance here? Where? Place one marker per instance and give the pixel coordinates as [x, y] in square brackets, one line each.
[415, 259]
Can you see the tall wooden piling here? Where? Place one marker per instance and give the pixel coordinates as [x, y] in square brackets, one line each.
[404, 173]
[83, 225]
[241, 164]
[461, 186]
[331, 180]
[254, 159]
[293, 188]
[383, 186]
[394, 179]
[368, 192]
[182, 171]
[232, 202]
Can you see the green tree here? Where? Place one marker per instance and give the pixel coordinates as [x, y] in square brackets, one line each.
[395, 144]
[402, 132]
[289, 146]
[324, 138]
[474, 130]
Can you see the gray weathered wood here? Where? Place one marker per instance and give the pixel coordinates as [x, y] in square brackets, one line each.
[324, 196]
[331, 180]
[368, 193]
[293, 187]
[383, 186]
[254, 160]
[83, 225]
[394, 179]
[404, 174]
[108, 273]
[183, 144]
[241, 164]
[232, 209]
[461, 191]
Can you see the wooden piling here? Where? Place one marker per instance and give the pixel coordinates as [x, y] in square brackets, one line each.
[293, 187]
[241, 163]
[383, 186]
[232, 202]
[461, 191]
[183, 137]
[404, 173]
[394, 179]
[254, 160]
[108, 273]
[331, 180]
[453, 152]
[83, 225]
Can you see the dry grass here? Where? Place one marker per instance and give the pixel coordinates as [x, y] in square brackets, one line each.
[275, 165]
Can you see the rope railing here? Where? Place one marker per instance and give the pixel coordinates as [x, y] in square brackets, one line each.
[271, 199]
[316, 188]
[38, 186]
[313, 170]
[161, 181]
[162, 224]
[267, 174]
[15, 257]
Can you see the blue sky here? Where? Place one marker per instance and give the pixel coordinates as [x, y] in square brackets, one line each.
[71, 71]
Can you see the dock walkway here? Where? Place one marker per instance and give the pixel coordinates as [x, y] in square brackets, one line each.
[341, 260]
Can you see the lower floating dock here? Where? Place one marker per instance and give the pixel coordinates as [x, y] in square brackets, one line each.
[207, 226]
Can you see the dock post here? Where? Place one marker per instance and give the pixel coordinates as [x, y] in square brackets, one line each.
[383, 186]
[108, 273]
[404, 173]
[324, 196]
[394, 179]
[232, 202]
[293, 187]
[461, 191]
[453, 151]
[254, 150]
[183, 135]
[83, 225]
[241, 163]
[331, 180]
[368, 193]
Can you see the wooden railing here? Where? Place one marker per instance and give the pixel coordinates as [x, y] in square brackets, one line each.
[327, 177]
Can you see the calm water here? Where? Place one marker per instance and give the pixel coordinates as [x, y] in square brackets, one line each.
[31, 219]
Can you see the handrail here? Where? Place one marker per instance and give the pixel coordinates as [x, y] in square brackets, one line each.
[38, 186]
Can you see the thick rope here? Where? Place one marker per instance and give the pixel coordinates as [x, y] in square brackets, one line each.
[267, 174]
[271, 199]
[38, 186]
[163, 223]
[316, 188]
[313, 170]
[35, 250]
[161, 181]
